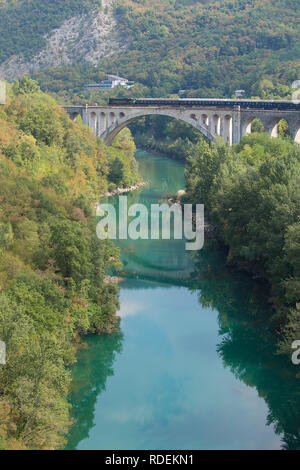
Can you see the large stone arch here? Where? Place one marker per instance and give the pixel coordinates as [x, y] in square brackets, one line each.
[123, 119]
[294, 126]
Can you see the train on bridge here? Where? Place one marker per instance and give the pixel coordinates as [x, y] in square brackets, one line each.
[190, 102]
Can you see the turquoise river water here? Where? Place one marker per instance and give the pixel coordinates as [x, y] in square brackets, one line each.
[194, 365]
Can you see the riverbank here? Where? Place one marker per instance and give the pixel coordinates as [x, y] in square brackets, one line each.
[251, 198]
[129, 189]
[52, 265]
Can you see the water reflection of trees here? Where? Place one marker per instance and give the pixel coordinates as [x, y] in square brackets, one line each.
[248, 343]
[89, 380]
[247, 347]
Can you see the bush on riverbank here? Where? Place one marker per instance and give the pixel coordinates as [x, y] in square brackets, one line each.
[252, 195]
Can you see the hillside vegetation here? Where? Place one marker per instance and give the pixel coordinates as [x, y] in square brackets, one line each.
[209, 46]
[53, 269]
[206, 47]
[251, 193]
[24, 23]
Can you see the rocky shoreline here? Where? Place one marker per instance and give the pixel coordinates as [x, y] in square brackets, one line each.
[117, 191]
[176, 199]
[113, 280]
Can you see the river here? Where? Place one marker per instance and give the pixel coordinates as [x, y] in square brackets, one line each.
[194, 365]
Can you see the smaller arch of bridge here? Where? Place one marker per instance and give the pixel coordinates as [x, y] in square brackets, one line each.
[247, 126]
[102, 121]
[269, 123]
[205, 120]
[272, 127]
[112, 118]
[93, 121]
[295, 130]
[216, 124]
[227, 129]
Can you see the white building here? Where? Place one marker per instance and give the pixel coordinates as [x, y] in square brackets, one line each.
[239, 93]
[110, 83]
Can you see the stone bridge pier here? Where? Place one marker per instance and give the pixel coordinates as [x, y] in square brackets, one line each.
[230, 123]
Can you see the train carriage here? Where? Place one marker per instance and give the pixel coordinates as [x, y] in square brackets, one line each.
[245, 104]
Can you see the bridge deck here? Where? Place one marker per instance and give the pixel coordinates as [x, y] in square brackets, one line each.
[229, 119]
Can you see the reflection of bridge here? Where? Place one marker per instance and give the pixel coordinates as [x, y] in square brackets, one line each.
[226, 119]
[169, 262]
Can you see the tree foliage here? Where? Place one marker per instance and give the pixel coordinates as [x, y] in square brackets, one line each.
[252, 196]
[53, 268]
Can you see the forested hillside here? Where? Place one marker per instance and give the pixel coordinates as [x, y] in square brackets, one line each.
[207, 47]
[251, 193]
[26, 22]
[37, 34]
[53, 269]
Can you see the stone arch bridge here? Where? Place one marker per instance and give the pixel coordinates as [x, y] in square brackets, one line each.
[229, 121]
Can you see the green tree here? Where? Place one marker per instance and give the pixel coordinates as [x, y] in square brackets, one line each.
[116, 171]
[26, 86]
[71, 249]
